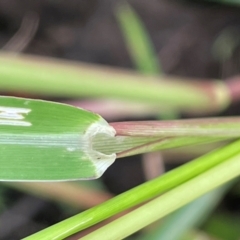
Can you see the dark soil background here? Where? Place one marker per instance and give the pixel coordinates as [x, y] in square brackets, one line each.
[184, 34]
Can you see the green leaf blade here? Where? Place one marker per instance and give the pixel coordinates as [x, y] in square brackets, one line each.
[137, 40]
[45, 141]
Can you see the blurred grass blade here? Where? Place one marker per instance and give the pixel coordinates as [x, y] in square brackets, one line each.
[223, 225]
[137, 40]
[169, 202]
[140, 47]
[138, 194]
[71, 79]
[75, 195]
[177, 224]
[42, 140]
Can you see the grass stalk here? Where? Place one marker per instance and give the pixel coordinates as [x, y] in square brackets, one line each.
[220, 127]
[137, 40]
[51, 77]
[169, 202]
[137, 195]
[177, 224]
[139, 137]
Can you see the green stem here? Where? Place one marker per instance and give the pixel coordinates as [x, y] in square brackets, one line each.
[177, 224]
[137, 40]
[172, 200]
[137, 195]
[70, 79]
[146, 136]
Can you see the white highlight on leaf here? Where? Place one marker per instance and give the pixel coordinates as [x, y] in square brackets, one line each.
[71, 149]
[14, 123]
[13, 116]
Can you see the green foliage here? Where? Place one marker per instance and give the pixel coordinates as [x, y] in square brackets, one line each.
[58, 142]
[49, 141]
[198, 171]
[223, 225]
[72, 80]
[176, 225]
[137, 40]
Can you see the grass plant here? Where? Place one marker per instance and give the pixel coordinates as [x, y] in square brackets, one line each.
[47, 141]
